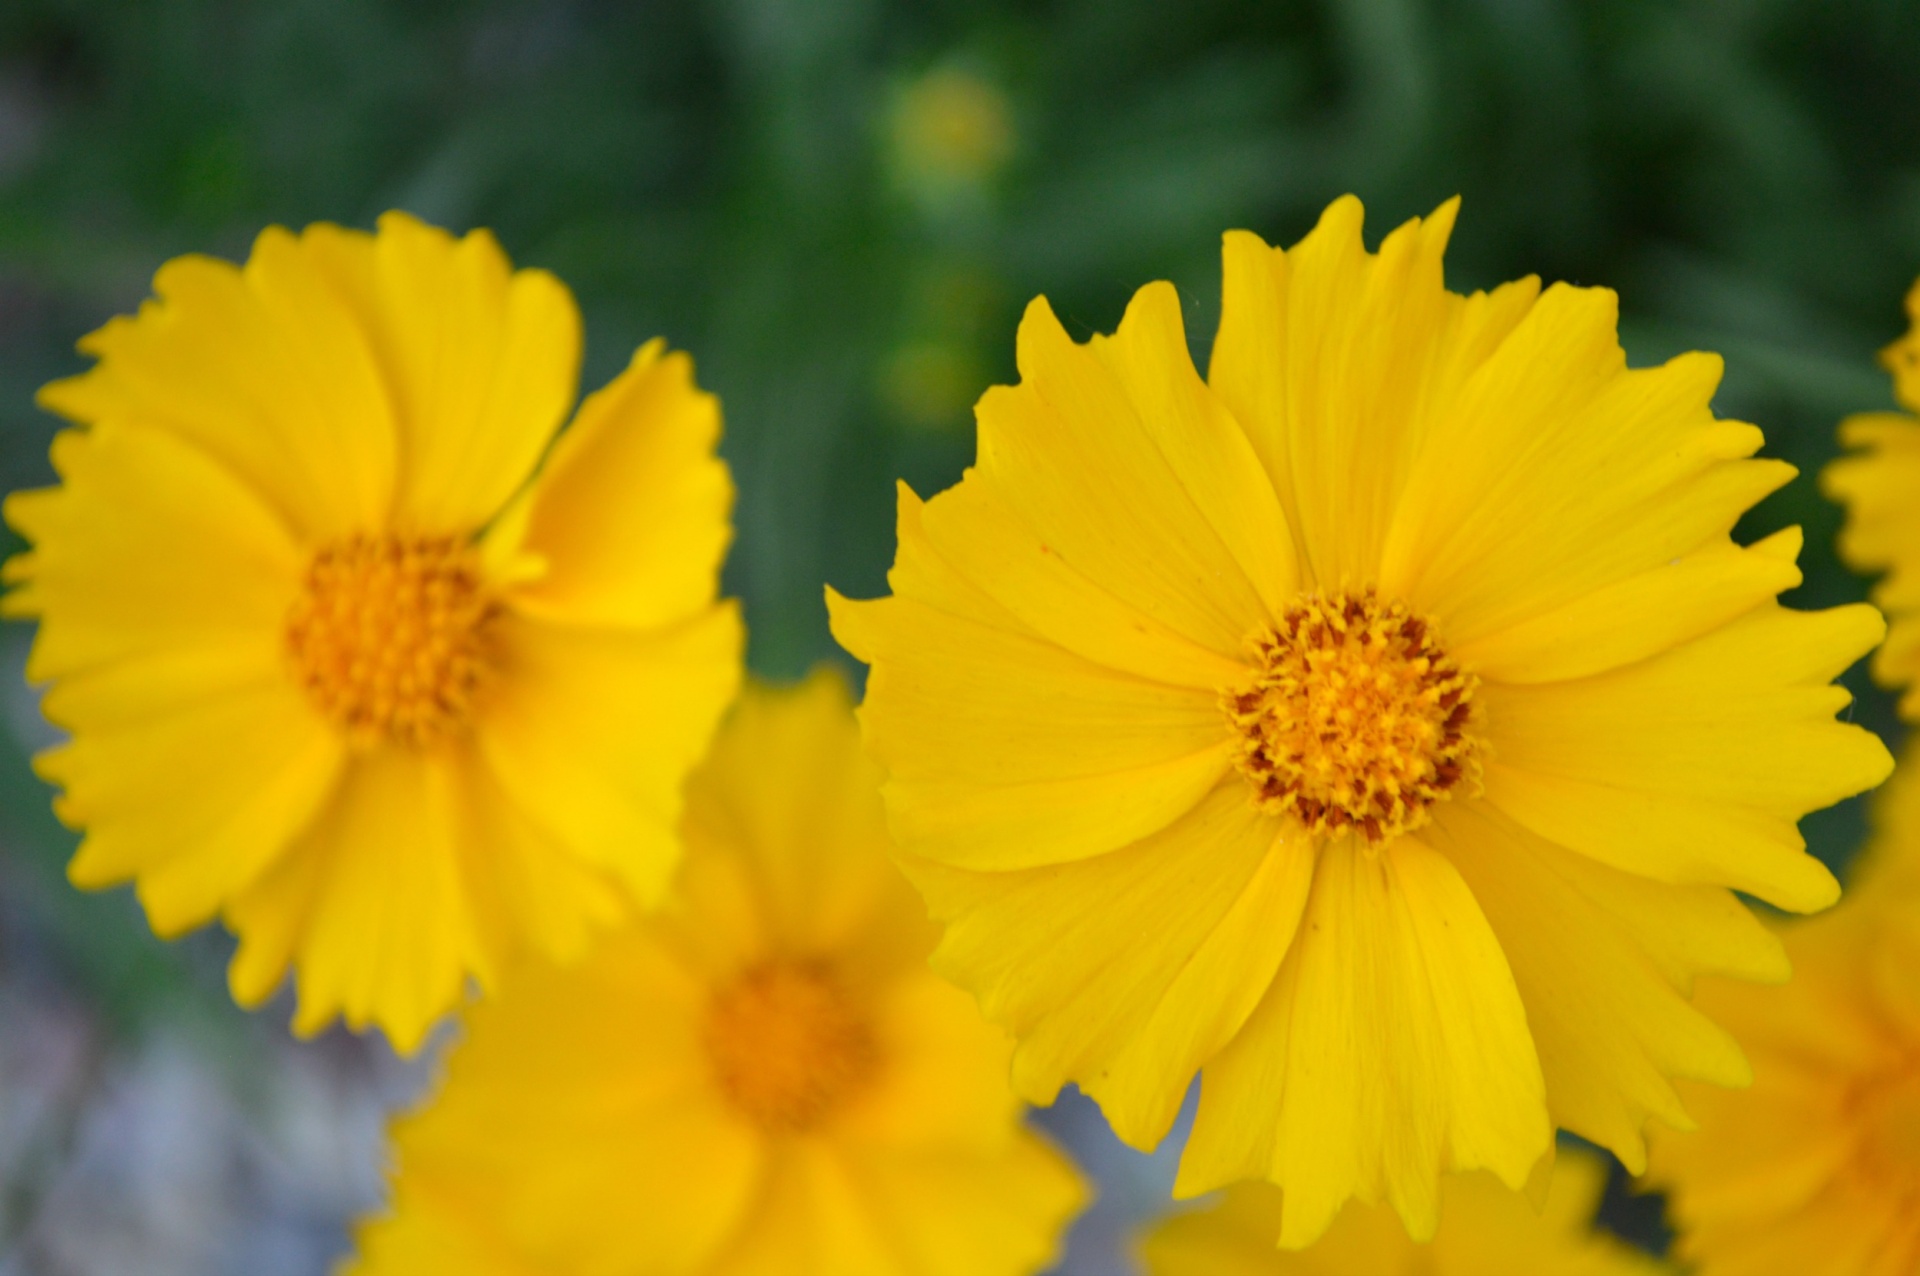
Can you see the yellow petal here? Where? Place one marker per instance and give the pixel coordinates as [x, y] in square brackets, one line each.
[948, 1216]
[427, 1231]
[968, 554]
[787, 848]
[481, 362]
[195, 771]
[923, 573]
[590, 732]
[1693, 766]
[1008, 752]
[369, 905]
[630, 513]
[809, 829]
[1610, 1027]
[1337, 362]
[1205, 451]
[528, 891]
[1668, 837]
[1640, 616]
[1685, 930]
[812, 1220]
[1876, 484]
[595, 1142]
[1875, 1235]
[1890, 861]
[1764, 1169]
[1201, 1010]
[1079, 458]
[1392, 1047]
[1490, 1229]
[1557, 472]
[1806, 1165]
[1235, 1238]
[1897, 661]
[1080, 960]
[168, 582]
[972, 553]
[520, 890]
[147, 545]
[1486, 1229]
[266, 369]
[1902, 357]
[714, 917]
[945, 1082]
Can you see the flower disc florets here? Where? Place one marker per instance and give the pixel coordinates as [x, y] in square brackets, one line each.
[390, 636]
[787, 1046]
[1353, 718]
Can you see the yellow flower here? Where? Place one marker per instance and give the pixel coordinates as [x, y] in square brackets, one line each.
[1816, 1168]
[1880, 486]
[764, 1079]
[343, 661]
[1486, 1231]
[951, 132]
[1379, 724]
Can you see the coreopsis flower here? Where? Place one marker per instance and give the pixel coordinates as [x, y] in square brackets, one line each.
[352, 652]
[1880, 486]
[1381, 724]
[1486, 1230]
[951, 132]
[764, 1078]
[1816, 1167]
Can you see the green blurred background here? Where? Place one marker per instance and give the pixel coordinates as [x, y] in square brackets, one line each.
[840, 206]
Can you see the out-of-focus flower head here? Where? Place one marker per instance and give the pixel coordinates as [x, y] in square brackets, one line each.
[764, 1080]
[1816, 1166]
[950, 132]
[1879, 483]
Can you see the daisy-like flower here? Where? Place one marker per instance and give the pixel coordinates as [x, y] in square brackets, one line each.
[762, 1080]
[1816, 1167]
[1486, 1231]
[1880, 486]
[1379, 724]
[343, 659]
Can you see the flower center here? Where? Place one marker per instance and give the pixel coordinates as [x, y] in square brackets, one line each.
[787, 1046]
[1890, 1112]
[1352, 717]
[391, 636]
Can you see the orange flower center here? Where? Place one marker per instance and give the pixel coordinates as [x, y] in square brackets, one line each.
[391, 636]
[787, 1046]
[1351, 717]
[1890, 1112]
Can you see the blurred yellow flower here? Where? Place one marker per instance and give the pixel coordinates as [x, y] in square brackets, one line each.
[1485, 1230]
[763, 1079]
[1816, 1167]
[929, 384]
[1382, 724]
[1880, 486]
[338, 664]
[951, 131]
